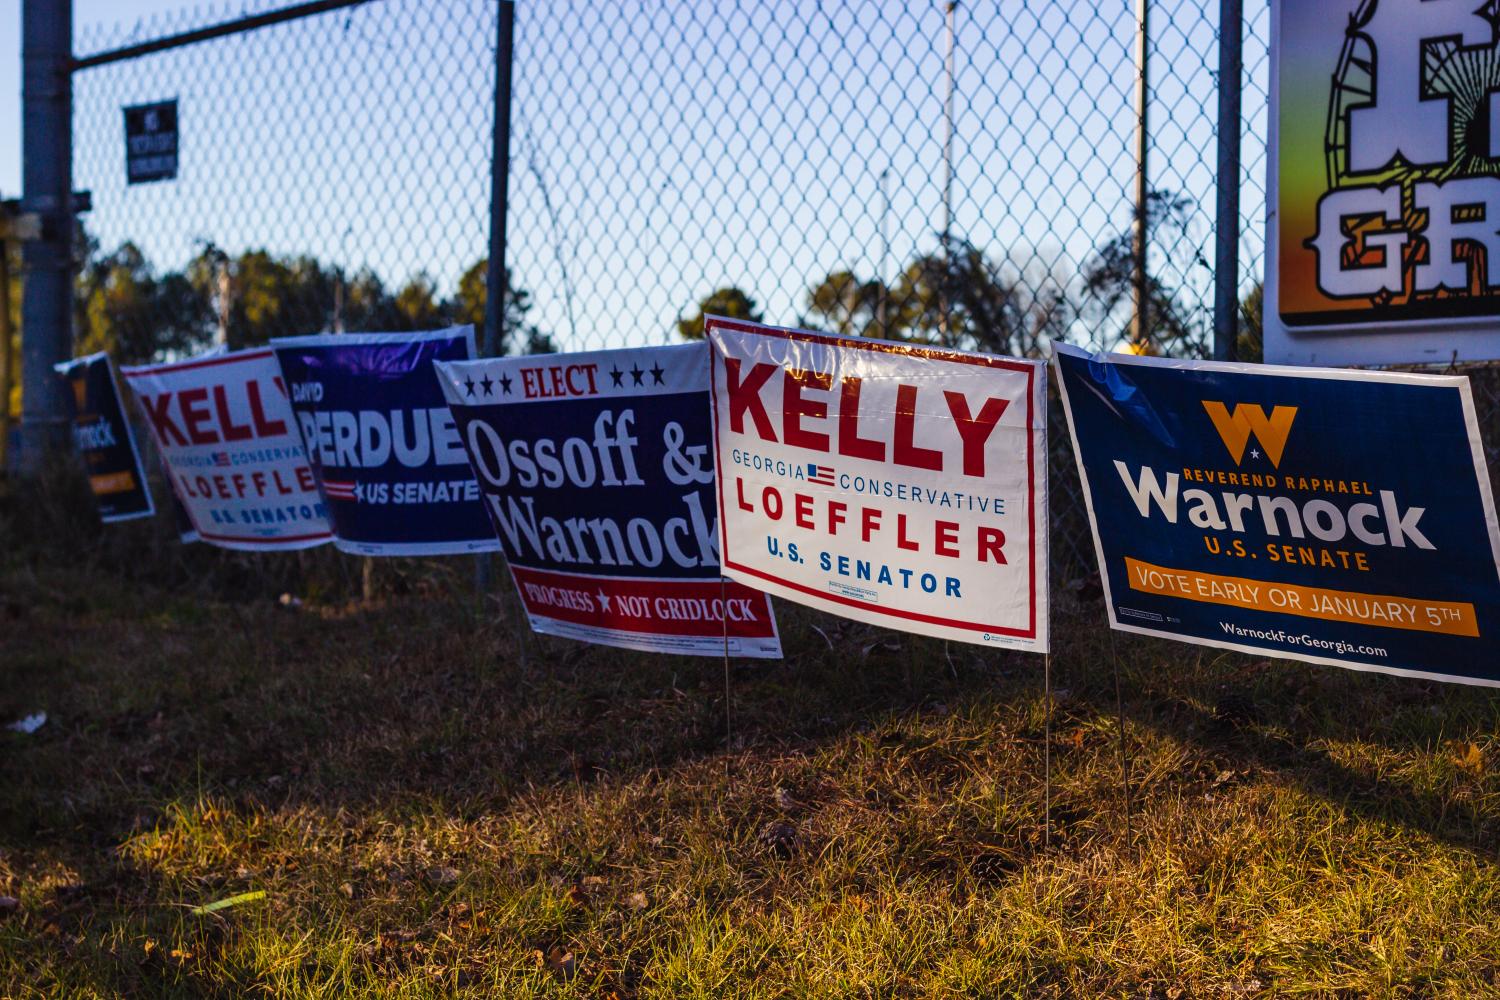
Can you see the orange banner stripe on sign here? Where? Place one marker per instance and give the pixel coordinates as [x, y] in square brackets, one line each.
[1379, 610]
[112, 482]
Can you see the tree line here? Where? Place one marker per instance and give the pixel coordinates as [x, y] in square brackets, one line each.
[124, 306]
[961, 297]
[957, 295]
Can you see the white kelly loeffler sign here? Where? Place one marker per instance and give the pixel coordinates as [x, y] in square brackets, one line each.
[894, 484]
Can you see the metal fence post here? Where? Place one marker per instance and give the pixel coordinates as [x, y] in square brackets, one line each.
[1227, 220]
[496, 285]
[1138, 280]
[47, 178]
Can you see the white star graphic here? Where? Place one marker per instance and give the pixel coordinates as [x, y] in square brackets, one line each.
[603, 599]
[1255, 453]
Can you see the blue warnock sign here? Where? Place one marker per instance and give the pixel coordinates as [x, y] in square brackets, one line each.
[1338, 517]
[103, 438]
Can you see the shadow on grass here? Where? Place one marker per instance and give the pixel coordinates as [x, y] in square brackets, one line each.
[1302, 724]
[431, 700]
[430, 705]
[416, 701]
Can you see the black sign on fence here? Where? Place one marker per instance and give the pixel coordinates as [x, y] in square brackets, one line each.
[151, 142]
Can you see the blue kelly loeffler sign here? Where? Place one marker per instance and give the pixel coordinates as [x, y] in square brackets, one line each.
[383, 443]
[1340, 517]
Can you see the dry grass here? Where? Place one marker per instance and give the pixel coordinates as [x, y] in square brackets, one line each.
[435, 806]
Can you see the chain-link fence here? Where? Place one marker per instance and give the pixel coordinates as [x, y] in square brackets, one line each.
[954, 172]
[333, 172]
[795, 157]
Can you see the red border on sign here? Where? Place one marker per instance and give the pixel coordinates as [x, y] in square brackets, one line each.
[222, 359]
[182, 366]
[238, 540]
[910, 350]
[704, 588]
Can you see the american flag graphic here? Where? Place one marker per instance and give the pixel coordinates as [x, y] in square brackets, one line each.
[820, 474]
[221, 459]
[337, 490]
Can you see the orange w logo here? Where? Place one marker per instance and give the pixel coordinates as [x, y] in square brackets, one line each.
[1235, 428]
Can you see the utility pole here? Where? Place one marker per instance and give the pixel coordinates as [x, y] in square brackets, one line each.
[948, 131]
[47, 180]
[948, 176]
[225, 298]
[885, 248]
[1227, 221]
[1141, 334]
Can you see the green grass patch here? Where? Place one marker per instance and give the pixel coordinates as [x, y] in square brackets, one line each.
[434, 804]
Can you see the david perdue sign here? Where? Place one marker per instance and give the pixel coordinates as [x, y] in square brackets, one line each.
[890, 483]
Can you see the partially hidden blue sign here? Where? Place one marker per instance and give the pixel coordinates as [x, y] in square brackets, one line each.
[1338, 517]
[598, 473]
[383, 443]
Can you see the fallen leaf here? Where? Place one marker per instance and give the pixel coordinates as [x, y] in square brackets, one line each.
[227, 902]
[637, 901]
[1473, 759]
[784, 799]
[442, 875]
[347, 889]
[562, 963]
[780, 837]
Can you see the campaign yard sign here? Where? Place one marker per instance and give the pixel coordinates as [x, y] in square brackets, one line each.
[226, 431]
[383, 443]
[899, 485]
[102, 436]
[1339, 517]
[1383, 228]
[597, 472]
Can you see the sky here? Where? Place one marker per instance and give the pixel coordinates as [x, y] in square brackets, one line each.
[659, 150]
[84, 12]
